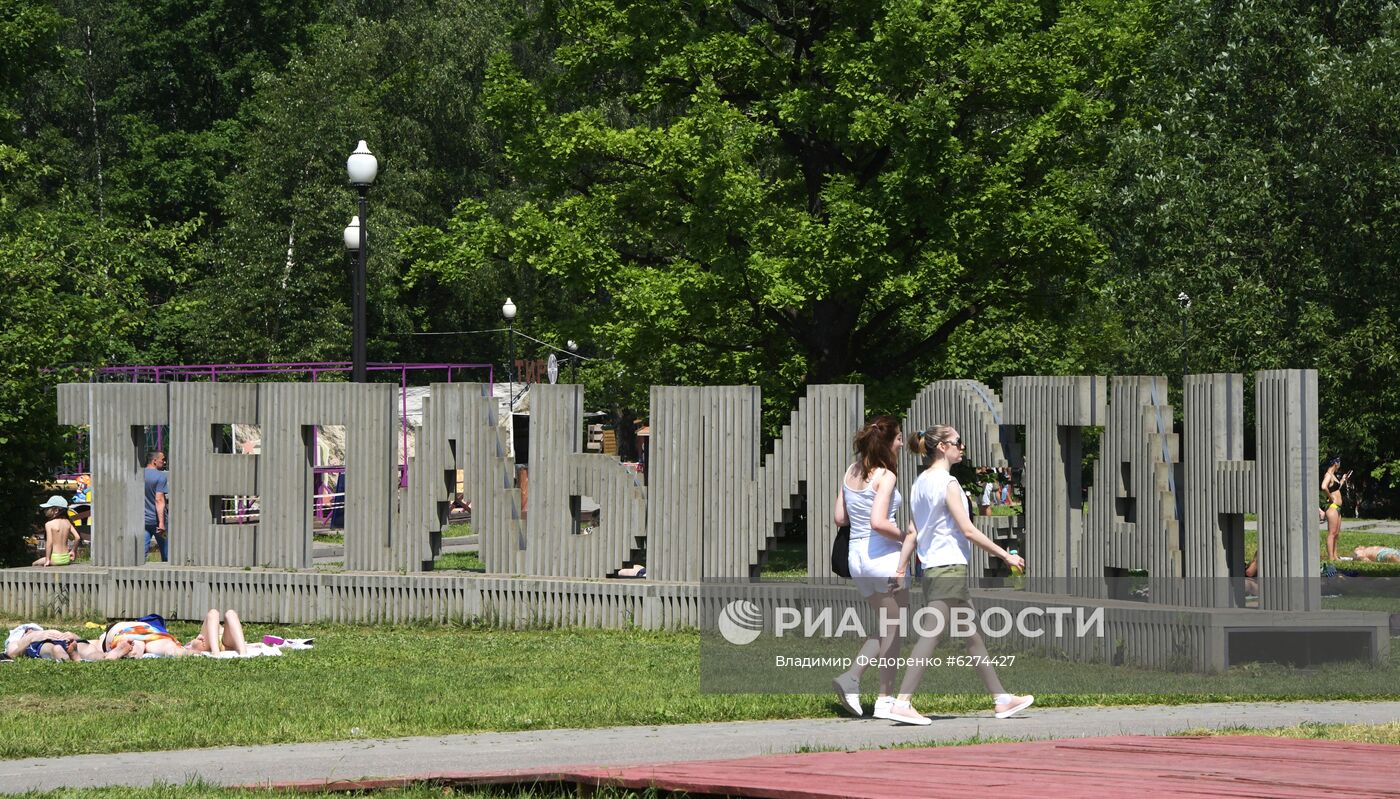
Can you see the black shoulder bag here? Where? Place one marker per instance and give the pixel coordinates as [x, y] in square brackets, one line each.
[840, 552]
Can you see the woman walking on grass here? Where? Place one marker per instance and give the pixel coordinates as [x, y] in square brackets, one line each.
[944, 529]
[868, 500]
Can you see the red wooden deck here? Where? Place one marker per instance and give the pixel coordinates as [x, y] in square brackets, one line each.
[1140, 767]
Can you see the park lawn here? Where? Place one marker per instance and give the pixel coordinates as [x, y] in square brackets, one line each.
[1380, 604]
[1347, 540]
[786, 561]
[1360, 733]
[459, 561]
[450, 531]
[390, 681]
[369, 682]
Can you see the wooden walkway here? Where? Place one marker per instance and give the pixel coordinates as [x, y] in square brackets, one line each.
[1240, 767]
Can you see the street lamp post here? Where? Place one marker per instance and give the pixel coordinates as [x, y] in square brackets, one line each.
[353, 241]
[1184, 300]
[362, 168]
[508, 313]
[573, 361]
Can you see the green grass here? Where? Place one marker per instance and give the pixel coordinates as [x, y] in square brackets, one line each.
[459, 561]
[1347, 540]
[787, 561]
[446, 562]
[450, 531]
[370, 682]
[1360, 733]
[390, 681]
[1384, 604]
[457, 531]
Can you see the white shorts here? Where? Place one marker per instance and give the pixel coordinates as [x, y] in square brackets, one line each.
[872, 562]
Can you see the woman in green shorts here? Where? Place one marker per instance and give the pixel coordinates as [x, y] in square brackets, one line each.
[945, 528]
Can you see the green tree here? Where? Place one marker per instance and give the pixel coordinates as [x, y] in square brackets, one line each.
[1257, 172]
[74, 293]
[75, 289]
[791, 193]
[138, 118]
[276, 284]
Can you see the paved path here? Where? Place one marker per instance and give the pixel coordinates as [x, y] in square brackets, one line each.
[549, 749]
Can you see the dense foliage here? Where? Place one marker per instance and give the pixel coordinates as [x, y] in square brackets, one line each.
[706, 191]
[1259, 171]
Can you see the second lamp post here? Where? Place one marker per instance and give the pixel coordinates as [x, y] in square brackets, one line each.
[508, 313]
[362, 167]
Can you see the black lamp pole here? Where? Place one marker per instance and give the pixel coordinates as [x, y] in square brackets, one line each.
[362, 167]
[508, 313]
[361, 281]
[1184, 300]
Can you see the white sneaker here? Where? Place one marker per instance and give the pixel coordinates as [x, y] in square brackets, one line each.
[904, 713]
[882, 707]
[1013, 706]
[848, 695]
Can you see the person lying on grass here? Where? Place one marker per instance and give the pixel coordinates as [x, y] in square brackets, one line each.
[1377, 554]
[33, 640]
[148, 636]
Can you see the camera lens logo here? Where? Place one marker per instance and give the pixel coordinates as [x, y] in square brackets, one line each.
[740, 622]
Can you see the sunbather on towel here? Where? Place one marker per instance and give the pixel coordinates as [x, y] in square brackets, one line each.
[1377, 554]
[148, 636]
[32, 640]
[92, 650]
[215, 637]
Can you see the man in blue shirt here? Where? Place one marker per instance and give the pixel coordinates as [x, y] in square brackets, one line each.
[157, 489]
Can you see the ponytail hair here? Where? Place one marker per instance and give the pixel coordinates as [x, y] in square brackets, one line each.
[874, 445]
[925, 443]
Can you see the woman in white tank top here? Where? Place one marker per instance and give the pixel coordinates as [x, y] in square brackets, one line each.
[868, 500]
[944, 530]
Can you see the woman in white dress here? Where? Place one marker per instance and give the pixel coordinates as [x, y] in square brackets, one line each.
[943, 531]
[868, 500]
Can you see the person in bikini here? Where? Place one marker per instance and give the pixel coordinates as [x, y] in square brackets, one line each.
[35, 641]
[1377, 554]
[149, 636]
[1332, 486]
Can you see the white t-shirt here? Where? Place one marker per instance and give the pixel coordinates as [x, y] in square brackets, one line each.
[987, 491]
[941, 543]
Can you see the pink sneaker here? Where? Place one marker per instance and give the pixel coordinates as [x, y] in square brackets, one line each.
[904, 713]
[1012, 705]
